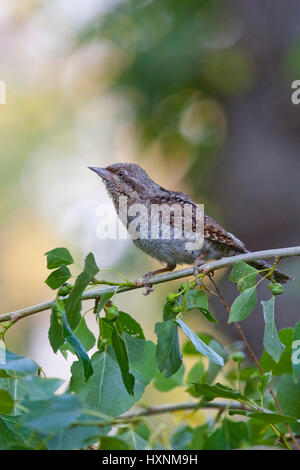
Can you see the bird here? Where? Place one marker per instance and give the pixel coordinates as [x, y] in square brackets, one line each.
[130, 181]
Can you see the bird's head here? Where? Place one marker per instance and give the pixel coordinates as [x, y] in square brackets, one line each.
[126, 179]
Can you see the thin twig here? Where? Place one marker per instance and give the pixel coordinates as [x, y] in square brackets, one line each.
[213, 266]
[136, 415]
[254, 357]
[169, 408]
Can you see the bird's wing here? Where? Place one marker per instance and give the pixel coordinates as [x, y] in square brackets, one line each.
[216, 233]
[212, 230]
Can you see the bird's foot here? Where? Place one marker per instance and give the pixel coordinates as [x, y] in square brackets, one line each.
[197, 265]
[145, 282]
[199, 262]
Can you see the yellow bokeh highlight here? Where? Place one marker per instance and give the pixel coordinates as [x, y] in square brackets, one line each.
[193, 418]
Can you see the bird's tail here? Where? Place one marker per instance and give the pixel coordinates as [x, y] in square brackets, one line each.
[277, 275]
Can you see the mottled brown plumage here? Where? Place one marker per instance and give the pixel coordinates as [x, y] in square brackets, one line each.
[131, 181]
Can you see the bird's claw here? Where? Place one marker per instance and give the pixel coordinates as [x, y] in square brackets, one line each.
[145, 282]
[198, 263]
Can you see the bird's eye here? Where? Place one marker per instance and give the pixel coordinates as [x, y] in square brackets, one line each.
[121, 173]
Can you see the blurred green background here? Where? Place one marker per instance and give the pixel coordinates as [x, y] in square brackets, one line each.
[196, 92]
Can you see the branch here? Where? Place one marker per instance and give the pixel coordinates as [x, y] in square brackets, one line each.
[159, 279]
[159, 409]
[135, 415]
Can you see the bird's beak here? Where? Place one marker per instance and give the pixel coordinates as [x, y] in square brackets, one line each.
[100, 171]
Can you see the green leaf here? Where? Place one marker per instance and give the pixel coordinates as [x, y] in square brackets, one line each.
[198, 299]
[182, 438]
[16, 387]
[237, 433]
[168, 354]
[242, 271]
[259, 433]
[251, 388]
[134, 441]
[78, 348]
[51, 416]
[196, 373]
[113, 443]
[264, 382]
[187, 438]
[143, 430]
[284, 365]
[231, 435]
[18, 363]
[73, 308]
[55, 333]
[288, 393]
[270, 418]
[58, 257]
[65, 349]
[129, 325]
[104, 298]
[3, 374]
[208, 315]
[245, 373]
[104, 390]
[296, 352]
[195, 299]
[32, 386]
[165, 385]
[9, 436]
[77, 437]
[210, 392]
[41, 388]
[14, 435]
[189, 348]
[218, 440]
[243, 305]
[6, 403]
[200, 345]
[167, 312]
[141, 355]
[272, 343]
[85, 336]
[214, 369]
[106, 330]
[199, 437]
[122, 358]
[58, 277]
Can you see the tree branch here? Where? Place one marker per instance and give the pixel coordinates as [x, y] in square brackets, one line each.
[135, 415]
[213, 266]
[170, 408]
